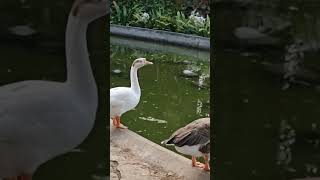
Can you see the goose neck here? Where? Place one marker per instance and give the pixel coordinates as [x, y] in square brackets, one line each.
[79, 73]
[134, 80]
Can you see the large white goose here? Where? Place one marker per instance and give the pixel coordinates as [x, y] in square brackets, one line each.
[193, 140]
[123, 99]
[40, 120]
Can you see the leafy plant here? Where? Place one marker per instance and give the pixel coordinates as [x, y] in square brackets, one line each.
[159, 15]
[161, 20]
[181, 22]
[192, 24]
[141, 20]
[122, 15]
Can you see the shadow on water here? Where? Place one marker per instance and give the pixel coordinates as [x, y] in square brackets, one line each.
[171, 96]
[265, 131]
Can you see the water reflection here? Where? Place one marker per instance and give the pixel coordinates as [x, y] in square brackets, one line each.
[275, 132]
[254, 23]
[287, 139]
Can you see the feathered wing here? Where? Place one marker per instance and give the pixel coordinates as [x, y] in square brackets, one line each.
[120, 97]
[115, 99]
[26, 122]
[197, 132]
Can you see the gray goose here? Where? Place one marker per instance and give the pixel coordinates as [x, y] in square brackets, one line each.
[193, 140]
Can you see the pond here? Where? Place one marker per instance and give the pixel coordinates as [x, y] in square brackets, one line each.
[169, 98]
[262, 131]
[88, 160]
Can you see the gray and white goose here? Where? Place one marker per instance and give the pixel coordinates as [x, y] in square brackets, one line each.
[193, 140]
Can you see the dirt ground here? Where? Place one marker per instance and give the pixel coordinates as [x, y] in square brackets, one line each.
[125, 165]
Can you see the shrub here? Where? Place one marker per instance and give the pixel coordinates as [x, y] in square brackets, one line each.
[122, 14]
[160, 15]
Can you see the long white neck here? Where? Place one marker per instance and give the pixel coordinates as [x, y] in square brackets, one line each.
[79, 73]
[134, 80]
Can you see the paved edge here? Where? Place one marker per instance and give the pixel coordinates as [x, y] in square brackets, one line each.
[156, 155]
[186, 40]
[156, 47]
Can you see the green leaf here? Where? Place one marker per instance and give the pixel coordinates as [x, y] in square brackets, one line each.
[125, 14]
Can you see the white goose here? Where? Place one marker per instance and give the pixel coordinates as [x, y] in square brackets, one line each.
[123, 99]
[40, 120]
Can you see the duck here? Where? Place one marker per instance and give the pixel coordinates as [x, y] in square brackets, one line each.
[193, 140]
[40, 120]
[123, 99]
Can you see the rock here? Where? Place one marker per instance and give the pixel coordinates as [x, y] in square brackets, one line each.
[189, 73]
[293, 8]
[22, 30]
[248, 33]
[186, 62]
[254, 37]
[116, 71]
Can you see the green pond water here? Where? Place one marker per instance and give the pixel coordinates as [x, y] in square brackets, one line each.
[263, 132]
[88, 161]
[169, 100]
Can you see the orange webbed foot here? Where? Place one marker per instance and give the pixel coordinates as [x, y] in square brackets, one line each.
[119, 125]
[206, 165]
[195, 163]
[114, 122]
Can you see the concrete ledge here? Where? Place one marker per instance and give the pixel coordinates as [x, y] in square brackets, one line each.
[179, 39]
[153, 154]
[168, 48]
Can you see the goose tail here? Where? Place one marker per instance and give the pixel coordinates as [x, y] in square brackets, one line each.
[164, 142]
[167, 142]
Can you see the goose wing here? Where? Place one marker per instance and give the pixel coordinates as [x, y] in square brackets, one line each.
[119, 96]
[197, 132]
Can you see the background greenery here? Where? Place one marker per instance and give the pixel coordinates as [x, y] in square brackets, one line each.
[184, 16]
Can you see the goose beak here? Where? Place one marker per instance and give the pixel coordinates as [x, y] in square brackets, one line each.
[148, 62]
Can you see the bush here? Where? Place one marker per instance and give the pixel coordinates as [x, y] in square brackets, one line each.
[160, 15]
[122, 14]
